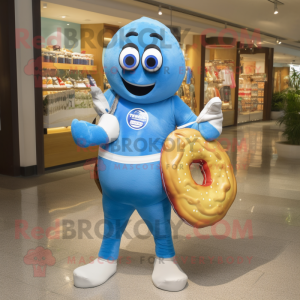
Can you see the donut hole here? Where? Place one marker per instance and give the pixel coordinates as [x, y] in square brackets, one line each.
[196, 173]
[200, 173]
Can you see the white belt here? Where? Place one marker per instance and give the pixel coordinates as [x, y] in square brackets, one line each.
[128, 159]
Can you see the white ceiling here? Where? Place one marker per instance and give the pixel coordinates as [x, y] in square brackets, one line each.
[252, 13]
[79, 16]
[285, 58]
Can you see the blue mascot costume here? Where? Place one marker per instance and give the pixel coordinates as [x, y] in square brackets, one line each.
[145, 67]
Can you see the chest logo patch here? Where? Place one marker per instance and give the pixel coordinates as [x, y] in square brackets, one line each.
[137, 119]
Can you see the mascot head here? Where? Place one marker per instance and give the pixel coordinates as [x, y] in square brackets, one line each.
[143, 62]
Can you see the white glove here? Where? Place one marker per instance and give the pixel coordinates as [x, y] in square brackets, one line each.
[212, 113]
[111, 126]
[100, 103]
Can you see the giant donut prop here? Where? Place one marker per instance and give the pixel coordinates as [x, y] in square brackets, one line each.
[197, 205]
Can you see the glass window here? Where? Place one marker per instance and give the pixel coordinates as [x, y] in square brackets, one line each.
[219, 80]
[252, 81]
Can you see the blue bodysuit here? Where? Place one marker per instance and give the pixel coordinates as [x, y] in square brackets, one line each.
[145, 67]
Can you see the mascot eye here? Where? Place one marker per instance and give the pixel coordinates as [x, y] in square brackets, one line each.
[152, 60]
[129, 58]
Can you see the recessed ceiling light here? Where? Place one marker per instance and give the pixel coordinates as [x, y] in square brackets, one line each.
[63, 17]
[45, 5]
[68, 24]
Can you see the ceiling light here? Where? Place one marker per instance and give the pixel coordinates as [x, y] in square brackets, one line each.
[68, 24]
[159, 10]
[63, 17]
[275, 8]
[278, 41]
[45, 5]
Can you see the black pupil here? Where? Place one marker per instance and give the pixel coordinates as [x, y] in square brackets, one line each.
[151, 62]
[129, 61]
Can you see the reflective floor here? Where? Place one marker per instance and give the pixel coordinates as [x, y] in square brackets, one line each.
[253, 254]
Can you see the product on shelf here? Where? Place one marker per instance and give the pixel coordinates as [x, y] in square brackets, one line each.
[49, 82]
[55, 82]
[83, 99]
[76, 58]
[79, 84]
[91, 59]
[61, 58]
[251, 92]
[68, 58]
[44, 82]
[91, 80]
[68, 83]
[219, 80]
[64, 56]
[86, 82]
[45, 55]
[57, 101]
[61, 83]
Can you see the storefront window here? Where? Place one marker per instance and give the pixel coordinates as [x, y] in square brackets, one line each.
[220, 76]
[68, 73]
[251, 87]
[280, 78]
[219, 81]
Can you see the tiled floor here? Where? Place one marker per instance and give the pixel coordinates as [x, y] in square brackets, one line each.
[264, 264]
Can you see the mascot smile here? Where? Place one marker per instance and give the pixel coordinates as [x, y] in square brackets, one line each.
[139, 115]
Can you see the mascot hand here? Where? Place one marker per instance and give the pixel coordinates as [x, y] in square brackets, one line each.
[86, 134]
[210, 119]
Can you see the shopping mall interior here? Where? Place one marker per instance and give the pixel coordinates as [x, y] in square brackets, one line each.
[223, 73]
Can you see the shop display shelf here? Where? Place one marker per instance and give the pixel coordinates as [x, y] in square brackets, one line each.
[64, 89]
[68, 67]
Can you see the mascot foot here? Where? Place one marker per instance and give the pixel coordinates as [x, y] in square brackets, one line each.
[94, 273]
[167, 275]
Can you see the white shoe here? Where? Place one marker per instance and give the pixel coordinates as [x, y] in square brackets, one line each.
[94, 273]
[167, 275]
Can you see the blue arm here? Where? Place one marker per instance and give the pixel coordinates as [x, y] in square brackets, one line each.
[86, 134]
[184, 115]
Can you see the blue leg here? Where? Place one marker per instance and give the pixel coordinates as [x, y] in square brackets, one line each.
[157, 217]
[116, 216]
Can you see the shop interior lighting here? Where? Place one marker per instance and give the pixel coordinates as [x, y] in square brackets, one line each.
[276, 3]
[63, 17]
[45, 5]
[159, 10]
[193, 13]
[275, 8]
[278, 41]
